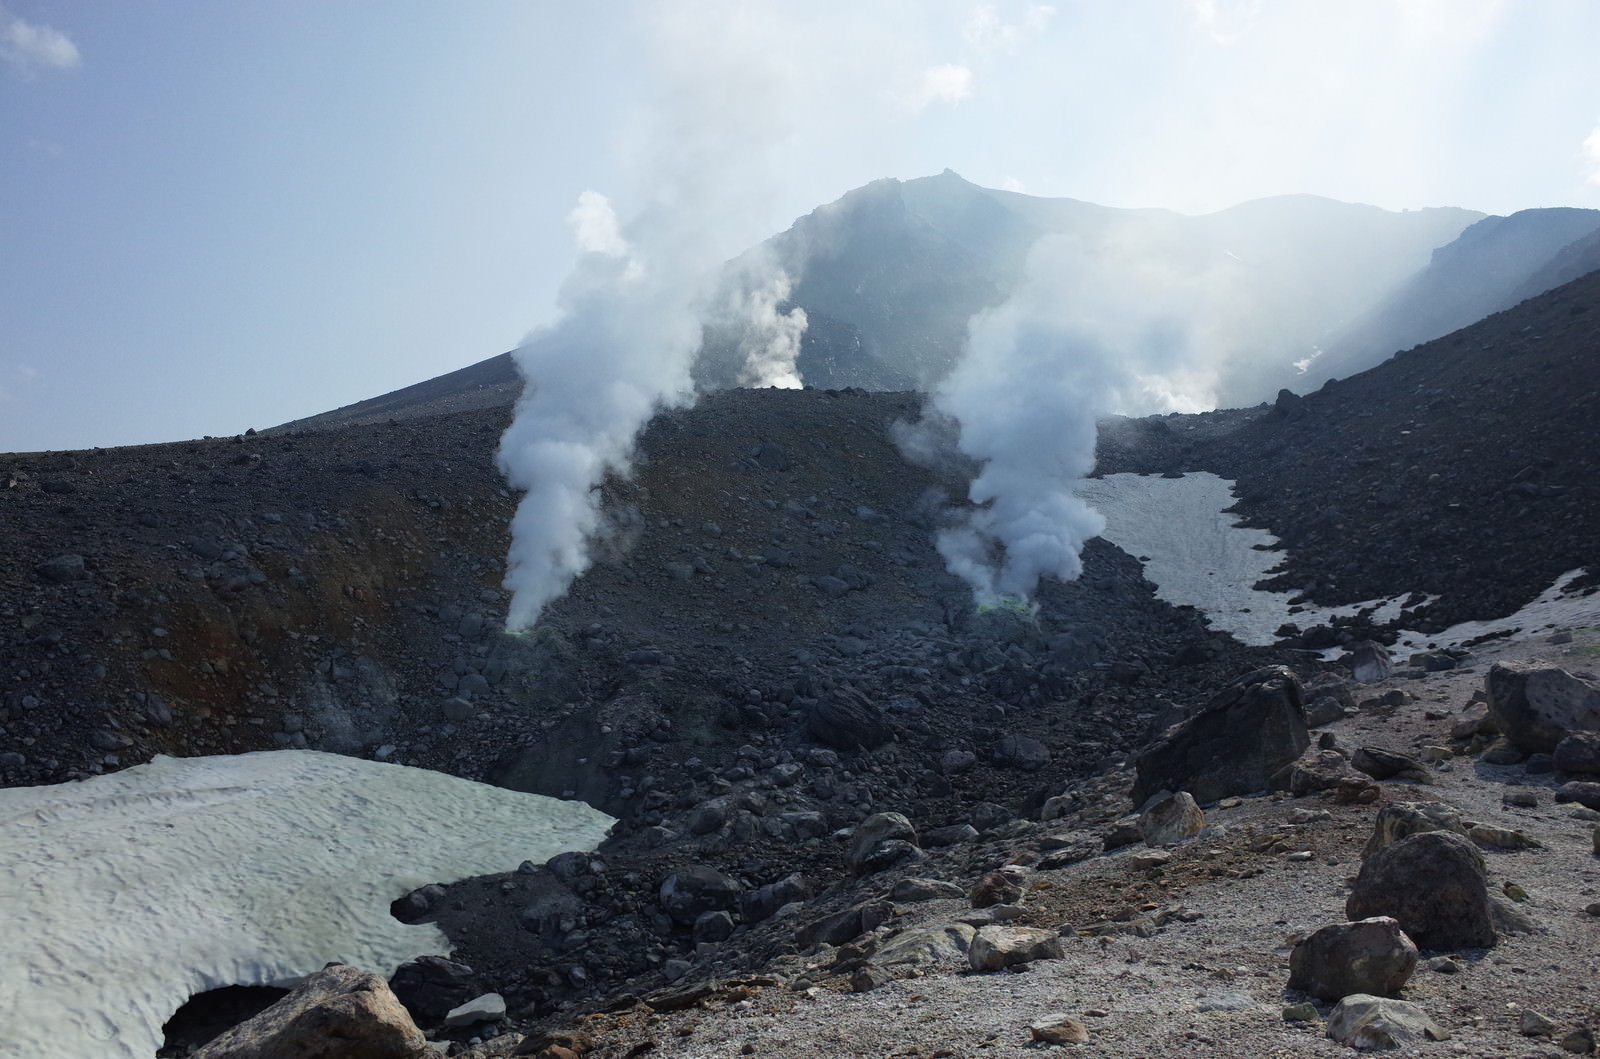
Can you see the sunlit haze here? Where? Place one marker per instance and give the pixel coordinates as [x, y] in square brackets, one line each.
[216, 216]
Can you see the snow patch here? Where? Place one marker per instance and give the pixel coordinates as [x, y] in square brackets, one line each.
[1199, 556]
[126, 894]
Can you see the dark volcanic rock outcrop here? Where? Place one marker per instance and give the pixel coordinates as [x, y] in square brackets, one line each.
[1231, 745]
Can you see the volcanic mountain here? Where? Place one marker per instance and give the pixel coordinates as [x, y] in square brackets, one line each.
[768, 649]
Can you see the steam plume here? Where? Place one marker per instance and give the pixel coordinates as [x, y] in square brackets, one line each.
[1027, 411]
[1082, 336]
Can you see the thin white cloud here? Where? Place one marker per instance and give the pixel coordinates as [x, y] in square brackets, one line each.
[988, 29]
[1591, 155]
[28, 48]
[948, 83]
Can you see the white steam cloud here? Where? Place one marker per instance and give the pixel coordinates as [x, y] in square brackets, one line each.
[632, 311]
[1088, 332]
[620, 351]
[770, 340]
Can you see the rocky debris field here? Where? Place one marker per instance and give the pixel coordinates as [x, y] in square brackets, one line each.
[1460, 469]
[1451, 908]
[813, 742]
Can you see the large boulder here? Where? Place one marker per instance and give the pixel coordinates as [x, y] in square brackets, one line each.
[1231, 745]
[1403, 819]
[840, 927]
[1432, 883]
[1579, 752]
[430, 987]
[1367, 1022]
[881, 841]
[1536, 706]
[848, 720]
[340, 1012]
[1170, 819]
[1369, 662]
[996, 947]
[1368, 956]
[695, 889]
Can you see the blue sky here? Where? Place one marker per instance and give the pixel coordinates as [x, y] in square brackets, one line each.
[218, 215]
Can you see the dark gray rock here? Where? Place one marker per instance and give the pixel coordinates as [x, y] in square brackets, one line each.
[1536, 706]
[873, 836]
[913, 890]
[763, 901]
[844, 926]
[62, 568]
[712, 926]
[848, 721]
[430, 987]
[1433, 884]
[952, 835]
[1585, 792]
[1022, 752]
[688, 892]
[1579, 752]
[1231, 745]
[1383, 764]
[1367, 956]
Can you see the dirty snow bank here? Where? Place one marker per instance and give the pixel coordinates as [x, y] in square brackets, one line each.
[1197, 555]
[126, 894]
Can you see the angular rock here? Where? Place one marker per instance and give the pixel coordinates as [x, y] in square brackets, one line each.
[1536, 705]
[1585, 792]
[1231, 745]
[62, 568]
[1367, 956]
[953, 835]
[688, 892]
[1368, 1022]
[1383, 764]
[430, 986]
[1432, 883]
[1579, 752]
[1058, 1028]
[1402, 819]
[1170, 820]
[873, 835]
[1002, 887]
[925, 945]
[340, 1012]
[997, 947]
[844, 926]
[490, 1007]
[913, 890]
[848, 721]
[1369, 661]
[763, 901]
[1022, 752]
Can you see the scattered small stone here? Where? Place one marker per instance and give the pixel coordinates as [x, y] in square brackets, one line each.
[1444, 965]
[997, 947]
[1305, 1012]
[1521, 797]
[868, 978]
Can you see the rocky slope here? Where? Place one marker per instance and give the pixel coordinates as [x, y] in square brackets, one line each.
[767, 651]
